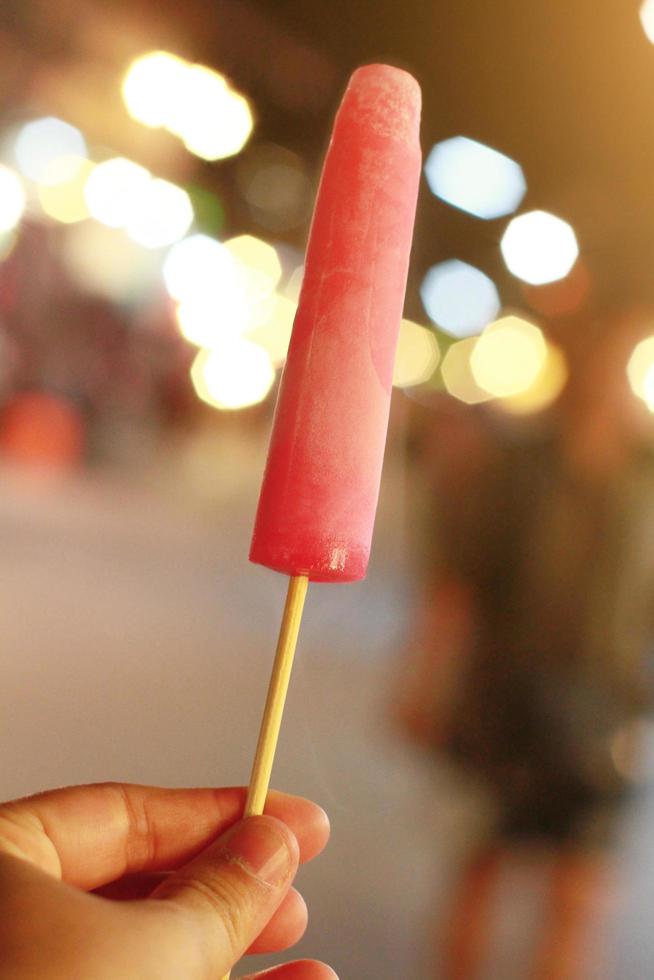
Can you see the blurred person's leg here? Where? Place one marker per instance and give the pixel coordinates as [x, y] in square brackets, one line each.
[533, 910]
[467, 933]
[580, 889]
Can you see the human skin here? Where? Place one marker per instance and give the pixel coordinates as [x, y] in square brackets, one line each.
[120, 881]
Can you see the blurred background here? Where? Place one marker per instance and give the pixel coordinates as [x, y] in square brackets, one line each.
[477, 712]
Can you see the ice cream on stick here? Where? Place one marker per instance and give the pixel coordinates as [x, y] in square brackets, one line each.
[319, 494]
[320, 488]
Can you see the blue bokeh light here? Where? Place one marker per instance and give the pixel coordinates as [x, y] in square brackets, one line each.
[459, 298]
[475, 178]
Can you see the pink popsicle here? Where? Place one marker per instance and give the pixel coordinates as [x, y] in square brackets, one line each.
[320, 488]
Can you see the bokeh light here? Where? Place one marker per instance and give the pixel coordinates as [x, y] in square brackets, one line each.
[276, 187]
[12, 199]
[199, 323]
[207, 324]
[508, 357]
[457, 374]
[259, 264]
[192, 101]
[41, 142]
[459, 298]
[640, 371]
[417, 355]
[475, 178]
[233, 375]
[198, 266]
[62, 192]
[215, 122]
[161, 215]
[648, 388]
[152, 85]
[222, 289]
[539, 248]
[113, 189]
[544, 389]
[647, 18]
[200, 91]
[274, 334]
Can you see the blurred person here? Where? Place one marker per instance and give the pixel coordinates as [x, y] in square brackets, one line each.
[528, 665]
[124, 881]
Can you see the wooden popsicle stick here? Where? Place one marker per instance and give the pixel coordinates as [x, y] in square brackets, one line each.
[276, 698]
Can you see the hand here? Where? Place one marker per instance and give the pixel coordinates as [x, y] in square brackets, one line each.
[120, 882]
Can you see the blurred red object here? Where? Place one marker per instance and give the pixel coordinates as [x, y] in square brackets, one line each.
[42, 430]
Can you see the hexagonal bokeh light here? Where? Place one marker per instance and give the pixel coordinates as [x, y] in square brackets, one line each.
[457, 374]
[162, 215]
[417, 355]
[475, 178]
[459, 298]
[508, 357]
[44, 140]
[538, 247]
[235, 375]
[543, 390]
[258, 262]
[113, 189]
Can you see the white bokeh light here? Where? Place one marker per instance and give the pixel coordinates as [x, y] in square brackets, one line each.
[259, 264]
[43, 141]
[207, 322]
[459, 298]
[213, 290]
[112, 190]
[152, 85]
[194, 102]
[214, 121]
[161, 215]
[234, 375]
[647, 19]
[539, 248]
[475, 178]
[198, 267]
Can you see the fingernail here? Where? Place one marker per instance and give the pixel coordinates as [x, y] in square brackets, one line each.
[261, 848]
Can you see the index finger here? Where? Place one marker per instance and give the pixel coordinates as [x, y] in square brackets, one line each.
[91, 835]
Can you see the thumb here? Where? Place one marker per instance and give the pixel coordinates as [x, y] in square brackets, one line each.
[228, 893]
